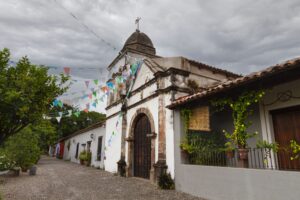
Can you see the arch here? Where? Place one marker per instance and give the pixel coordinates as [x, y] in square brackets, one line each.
[130, 139]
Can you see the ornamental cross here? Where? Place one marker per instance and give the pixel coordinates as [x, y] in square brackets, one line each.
[137, 22]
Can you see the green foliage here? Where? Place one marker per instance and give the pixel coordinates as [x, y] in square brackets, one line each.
[186, 116]
[196, 142]
[241, 110]
[46, 133]
[70, 124]
[166, 182]
[295, 149]
[5, 162]
[83, 156]
[193, 85]
[26, 92]
[266, 145]
[23, 148]
[201, 143]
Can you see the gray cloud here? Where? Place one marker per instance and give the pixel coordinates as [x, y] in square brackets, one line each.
[241, 36]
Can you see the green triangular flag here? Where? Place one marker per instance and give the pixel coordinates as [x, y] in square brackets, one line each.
[96, 81]
[95, 94]
[77, 114]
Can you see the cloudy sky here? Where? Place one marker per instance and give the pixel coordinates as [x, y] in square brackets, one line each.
[241, 36]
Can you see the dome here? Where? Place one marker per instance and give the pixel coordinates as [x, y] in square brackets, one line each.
[139, 41]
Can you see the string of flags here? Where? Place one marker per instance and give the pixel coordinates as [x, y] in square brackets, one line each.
[98, 93]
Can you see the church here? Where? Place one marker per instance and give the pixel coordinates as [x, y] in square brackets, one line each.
[144, 127]
[139, 128]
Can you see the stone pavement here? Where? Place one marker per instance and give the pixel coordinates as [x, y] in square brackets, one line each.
[63, 180]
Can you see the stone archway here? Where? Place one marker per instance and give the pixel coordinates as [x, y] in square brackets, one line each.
[130, 140]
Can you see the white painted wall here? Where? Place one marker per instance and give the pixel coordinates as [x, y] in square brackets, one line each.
[113, 151]
[113, 143]
[225, 183]
[169, 137]
[83, 138]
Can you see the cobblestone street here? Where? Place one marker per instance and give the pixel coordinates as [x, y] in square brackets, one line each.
[62, 180]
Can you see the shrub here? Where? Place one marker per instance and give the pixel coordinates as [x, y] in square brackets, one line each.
[5, 162]
[83, 155]
[166, 182]
[23, 148]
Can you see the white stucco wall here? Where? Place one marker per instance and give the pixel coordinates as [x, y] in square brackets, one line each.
[113, 152]
[226, 183]
[113, 143]
[83, 138]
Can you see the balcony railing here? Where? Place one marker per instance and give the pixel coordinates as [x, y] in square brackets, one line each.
[258, 158]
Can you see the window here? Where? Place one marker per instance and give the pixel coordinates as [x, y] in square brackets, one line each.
[99, 150]
[77, 149]
[88, 146]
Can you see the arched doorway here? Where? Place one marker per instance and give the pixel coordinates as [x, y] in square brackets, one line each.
[142, 147]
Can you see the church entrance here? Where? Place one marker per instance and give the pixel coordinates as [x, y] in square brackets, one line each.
[142, 147]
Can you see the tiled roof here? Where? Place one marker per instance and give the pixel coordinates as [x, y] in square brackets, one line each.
[222, 86]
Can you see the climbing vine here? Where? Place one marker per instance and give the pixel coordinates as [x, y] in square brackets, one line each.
[241, 110]
[186, 116]
[295, 149]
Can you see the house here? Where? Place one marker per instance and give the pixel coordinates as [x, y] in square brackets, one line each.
[268, 174]
[139, 128]
[90, 139]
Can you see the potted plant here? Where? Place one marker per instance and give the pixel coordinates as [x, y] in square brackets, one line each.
[267, 147]
[83, 157]
[229, 150]
[241, 110]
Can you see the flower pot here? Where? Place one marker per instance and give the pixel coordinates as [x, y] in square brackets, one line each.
[85, 163]
[81, 162]
[32, 170]
[243, 154]
[230, 154]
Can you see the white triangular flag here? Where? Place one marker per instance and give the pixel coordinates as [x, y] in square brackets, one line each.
[58, 119]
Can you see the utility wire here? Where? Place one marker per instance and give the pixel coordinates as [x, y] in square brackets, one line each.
[86, 26]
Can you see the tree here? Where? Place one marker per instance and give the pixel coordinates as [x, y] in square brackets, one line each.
[46, 133]
[70, 124]
[26, 92]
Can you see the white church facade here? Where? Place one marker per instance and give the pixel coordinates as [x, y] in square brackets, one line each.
[139, 127]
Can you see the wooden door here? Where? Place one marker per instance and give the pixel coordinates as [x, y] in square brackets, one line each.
[286, 124]
[142, 147]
